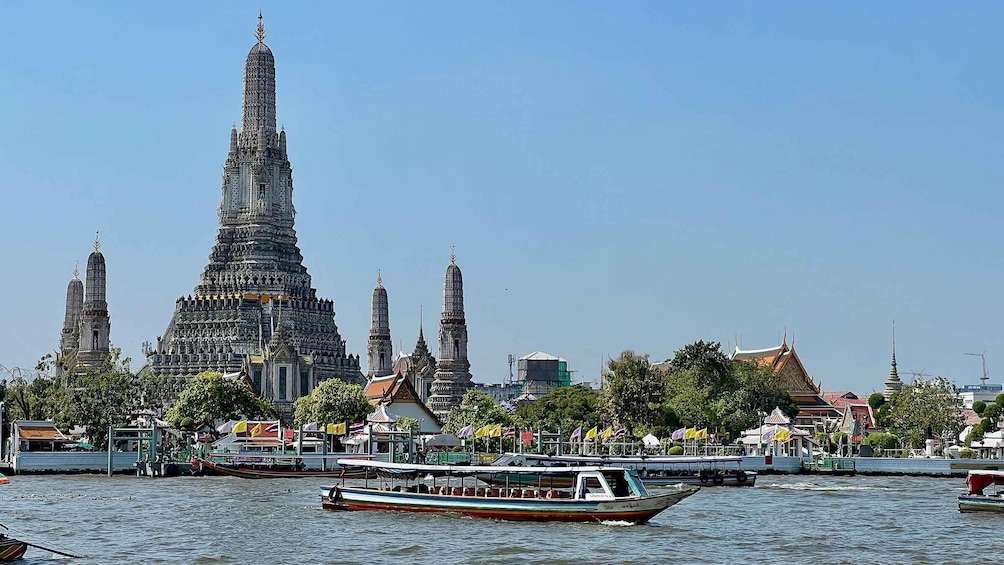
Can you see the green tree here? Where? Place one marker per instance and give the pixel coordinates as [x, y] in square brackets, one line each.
[752, 389]
[98, 399]
[927, 408]
[562, 408]
[979, 406]
[37, 399]
[632, 392]
[477, 409]
[333, 401]
[711, 364]
[210, 398]
[876, 400]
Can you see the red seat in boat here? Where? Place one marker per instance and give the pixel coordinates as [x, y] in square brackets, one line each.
[529, 493]
[468, 491]
[457, 491]
[493, 492]
[553, 494]
[515, 493]
[444, 490]
[481, 492]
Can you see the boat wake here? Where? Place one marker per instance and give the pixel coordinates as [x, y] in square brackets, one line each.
[822, 488]
[616, 523]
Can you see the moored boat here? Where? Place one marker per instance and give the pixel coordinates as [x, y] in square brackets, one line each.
[4, 480]
[975, 500]
[11, 549]
[263, 466]
[593, 494]
[657, 470]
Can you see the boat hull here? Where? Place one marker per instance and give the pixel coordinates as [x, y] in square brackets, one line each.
[245, 472]
[11, 550]
[980, 503]
[633, 510]
[729, 480]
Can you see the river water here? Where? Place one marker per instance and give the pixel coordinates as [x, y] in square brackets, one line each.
[206, 520]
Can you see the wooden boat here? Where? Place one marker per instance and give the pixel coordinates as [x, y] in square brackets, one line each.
[4, 480]
[658, 471]
[596, 494]
[265, 466]
[975, 500]
[11, 549]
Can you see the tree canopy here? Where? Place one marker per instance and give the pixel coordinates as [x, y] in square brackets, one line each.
[632, 391]
[331, 402]
[477, 409]
[210, 398]
[927, 408]
[563, 408]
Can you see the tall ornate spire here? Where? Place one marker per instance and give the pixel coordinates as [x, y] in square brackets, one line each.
[95, 325]
[76, 270]
[69, 341]
[379, 348]
[453, 376]
[893, 383]
[259, 87]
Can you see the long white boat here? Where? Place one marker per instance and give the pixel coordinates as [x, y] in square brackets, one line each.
[975, 500]
[656, 470]
[594, 494]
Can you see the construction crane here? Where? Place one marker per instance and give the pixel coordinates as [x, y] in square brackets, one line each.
[917, 374]
[983, 357]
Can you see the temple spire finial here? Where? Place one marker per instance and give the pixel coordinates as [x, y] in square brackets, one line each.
[453, 254]
[76, 270]
[379, 279]
[260, 33]
[97, 241]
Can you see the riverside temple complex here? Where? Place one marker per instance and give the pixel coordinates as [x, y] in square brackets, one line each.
[255, 310]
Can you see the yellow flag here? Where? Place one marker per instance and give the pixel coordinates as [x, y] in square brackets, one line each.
[496, 430]
[241, 426]
[256, 430]
[607, 433]
[782, 435]
[691, 433]
[483, 431]
[340, 429]
[591, 433]
[701, 434]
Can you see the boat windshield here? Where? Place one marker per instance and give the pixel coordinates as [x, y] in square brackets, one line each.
[620, 483]
[634, 483]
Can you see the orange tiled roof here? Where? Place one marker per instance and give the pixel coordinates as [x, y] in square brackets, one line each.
[382, 387]
[40, 433]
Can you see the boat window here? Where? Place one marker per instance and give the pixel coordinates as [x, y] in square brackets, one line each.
[618, 484]
[634, 482]
[593, 484]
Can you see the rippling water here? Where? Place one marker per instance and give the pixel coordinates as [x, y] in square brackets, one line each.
[787, 519]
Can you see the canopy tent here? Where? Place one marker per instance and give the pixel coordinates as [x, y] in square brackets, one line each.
[443, 440]
[650, 441]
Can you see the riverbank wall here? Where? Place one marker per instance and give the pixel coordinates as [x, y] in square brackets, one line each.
[930, 467]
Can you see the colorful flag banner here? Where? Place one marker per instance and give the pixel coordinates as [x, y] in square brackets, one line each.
[239, 427]
[701, 434]
[311, 427]
[690, 433]
[607, 433]
[483, 430]
[340, 429]
[256, 430]
[466, 431]
[620, 432]
[782, 435]
[768, 435]
[357, 428]
[678, 434]
[591, 433]
[577, 434]
[510, 432]
[496, 430]
[273, 427]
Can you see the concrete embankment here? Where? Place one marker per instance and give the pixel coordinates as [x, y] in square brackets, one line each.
[932, 467]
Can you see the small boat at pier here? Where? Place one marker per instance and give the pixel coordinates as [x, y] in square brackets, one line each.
[655, 471]
[592, 494]
[266, 466]
[975, 500]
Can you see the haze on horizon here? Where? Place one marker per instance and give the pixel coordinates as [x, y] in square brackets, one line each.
[613, 176]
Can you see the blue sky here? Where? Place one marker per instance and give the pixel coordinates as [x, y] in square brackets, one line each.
[613, 175]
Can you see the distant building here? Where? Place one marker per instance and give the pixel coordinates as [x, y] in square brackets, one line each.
[985, 392]
[540, 373]
[396, 394]
[893, 383]
[857, 405]
[502, 393]
[453, 370]
[814, 412]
